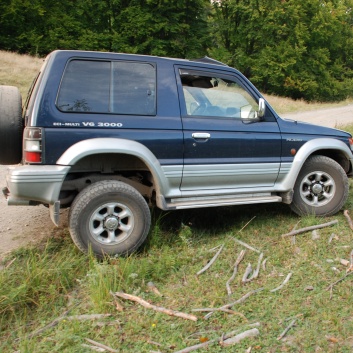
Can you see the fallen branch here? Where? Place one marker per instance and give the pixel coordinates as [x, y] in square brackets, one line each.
[86, 317]
[245, 244]
[293, 240]
[239, 301]
[118, 306]
[220, 340]
[242, 299]
[93, 348]
[10, 262]
[236, 339]
[209, 264]
[246, 275]
[308, 229]
[346, 214]
[151, 286]
[350, 268]
[247, 224]
[52, 324]
[330, 287]
[264, 264]
[284, 282]
[225, 310]
[100, 345]
[286, 330]
[147, 305]
[235, 270]
[257, 271]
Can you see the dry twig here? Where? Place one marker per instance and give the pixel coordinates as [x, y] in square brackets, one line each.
[283, 283]
[151, 286]
[86, 317]
[286, 330]
[236, 339]
[247, 224]
[209, 264]
[346, 214]
[245, 244]
[93, 348]
[308, 229]
[147, 305]
[52, 324]
[246, 275]
[235, 270]
[330, 287]
[239, 301]
[350, 268]
[118, 306]
[257, 271]
[220, 339]
[100, 345]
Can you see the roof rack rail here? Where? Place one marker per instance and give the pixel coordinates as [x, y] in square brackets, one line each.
[209, 60]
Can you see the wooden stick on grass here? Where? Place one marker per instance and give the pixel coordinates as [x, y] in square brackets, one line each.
[286, 330]
[308, 229]
[246, 245]
[220, 339]
[147, 305]
[100, 345]
[235, 270]
[209, 264]
[346, 214]
[239, 301]
[283, 283]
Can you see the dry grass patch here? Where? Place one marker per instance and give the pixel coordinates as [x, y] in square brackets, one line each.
[284, 105]
[18, 70]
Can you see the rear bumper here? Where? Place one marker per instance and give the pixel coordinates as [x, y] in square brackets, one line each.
[35, 184]
[29, 183]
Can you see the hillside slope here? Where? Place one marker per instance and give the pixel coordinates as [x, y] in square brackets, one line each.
[18, 70]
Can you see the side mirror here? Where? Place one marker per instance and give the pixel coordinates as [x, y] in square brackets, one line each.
[262, 108]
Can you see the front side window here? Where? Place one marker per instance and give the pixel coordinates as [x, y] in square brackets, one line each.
[108, 87]
[216, 97]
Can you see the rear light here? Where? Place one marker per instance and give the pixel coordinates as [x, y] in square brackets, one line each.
[32, 145]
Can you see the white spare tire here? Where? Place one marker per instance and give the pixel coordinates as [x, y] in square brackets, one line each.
[11, 125]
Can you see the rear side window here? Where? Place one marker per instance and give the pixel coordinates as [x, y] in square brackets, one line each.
[108, 87]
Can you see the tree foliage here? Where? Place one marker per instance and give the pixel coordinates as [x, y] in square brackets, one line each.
[296, 48]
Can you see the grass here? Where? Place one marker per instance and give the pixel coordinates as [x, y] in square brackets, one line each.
[39, 284]
[43, 282]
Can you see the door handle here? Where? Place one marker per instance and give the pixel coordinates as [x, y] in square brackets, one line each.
[201, 135]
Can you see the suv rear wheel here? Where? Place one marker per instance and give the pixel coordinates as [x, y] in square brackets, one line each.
[109, 217]
[11, 125]
[321, 188]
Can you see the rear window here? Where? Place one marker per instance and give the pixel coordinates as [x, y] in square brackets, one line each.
[108, 87]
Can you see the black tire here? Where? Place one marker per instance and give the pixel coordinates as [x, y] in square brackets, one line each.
[110, 218]
[11, 125]
[321, 188]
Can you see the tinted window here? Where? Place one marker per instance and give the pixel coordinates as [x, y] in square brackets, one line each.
[108, 87]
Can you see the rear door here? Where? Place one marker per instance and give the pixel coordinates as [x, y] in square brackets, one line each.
[223, 150]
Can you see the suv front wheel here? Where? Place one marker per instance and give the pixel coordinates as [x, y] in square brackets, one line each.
[109, 217]
[321, 188]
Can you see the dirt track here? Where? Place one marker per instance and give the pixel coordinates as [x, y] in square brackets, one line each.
[20, 225]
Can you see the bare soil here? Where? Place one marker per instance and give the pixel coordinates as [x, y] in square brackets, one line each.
[23, 225]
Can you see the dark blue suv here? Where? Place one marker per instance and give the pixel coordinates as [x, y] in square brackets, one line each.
[110, 135]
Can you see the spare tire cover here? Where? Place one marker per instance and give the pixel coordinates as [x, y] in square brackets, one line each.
[11, 125]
